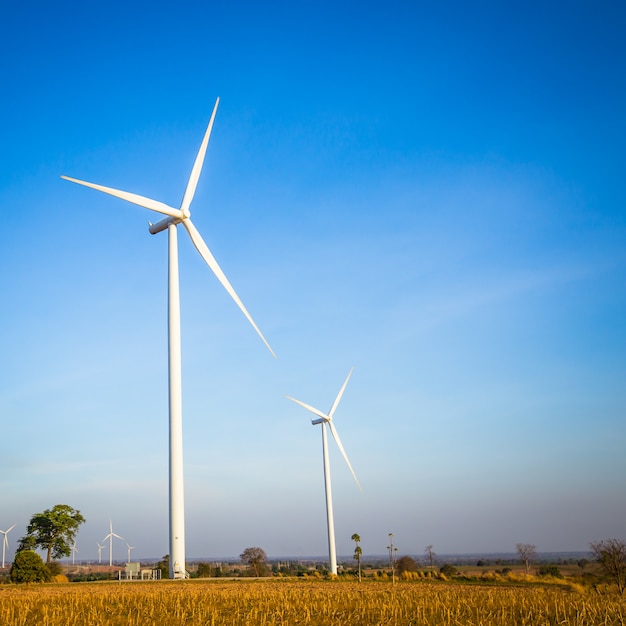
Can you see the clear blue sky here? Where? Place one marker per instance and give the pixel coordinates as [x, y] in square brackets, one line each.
[430, 192]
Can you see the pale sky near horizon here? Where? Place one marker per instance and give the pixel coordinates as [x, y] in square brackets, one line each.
[433, 193]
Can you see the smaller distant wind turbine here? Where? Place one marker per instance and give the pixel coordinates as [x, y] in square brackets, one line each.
[100, 548]
[129, 549]
[5, 542]
[110, 538]
[325, 419]
[74, 551]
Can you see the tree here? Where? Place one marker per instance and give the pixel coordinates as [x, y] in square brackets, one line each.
[406, 564]
[448, 570]
[526, 553]
[392, 557]
[611, 555]
[430, 555]
[28, 567]
[357, 552]
[164, 566]
[54, 531]
[254, 558]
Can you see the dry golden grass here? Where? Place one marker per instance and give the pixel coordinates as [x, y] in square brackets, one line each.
[307, 602]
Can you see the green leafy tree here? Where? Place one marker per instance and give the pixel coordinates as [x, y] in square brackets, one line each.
[164, 566]
[256, 559]
[611, 555]
[54, 531]
[357, 552]
[28, 567]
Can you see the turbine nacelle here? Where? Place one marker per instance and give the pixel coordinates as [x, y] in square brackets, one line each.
[321, 420]
[162, 225]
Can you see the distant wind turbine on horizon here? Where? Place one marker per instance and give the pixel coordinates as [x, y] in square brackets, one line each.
[175, 217]
[110, 538]
[129, 549]
[5, 542]
[100, 548]
[327, 419]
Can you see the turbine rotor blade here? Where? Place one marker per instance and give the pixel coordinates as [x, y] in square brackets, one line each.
[10, 529]
[309, 408]
[335, 434]
[197, 166]
[338, 398]
[146, 203]
[205, 253]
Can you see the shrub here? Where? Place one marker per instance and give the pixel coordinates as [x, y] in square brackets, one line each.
[59, 578]
[28, 567]
[448, 570]
[549, 570]
[406, 564]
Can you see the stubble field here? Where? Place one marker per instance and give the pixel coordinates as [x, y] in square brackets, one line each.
[306, 602]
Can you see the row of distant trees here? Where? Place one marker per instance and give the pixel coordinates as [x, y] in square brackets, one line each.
[609, 554]
[54, 531]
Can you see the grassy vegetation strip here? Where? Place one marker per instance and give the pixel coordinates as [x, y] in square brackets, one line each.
[266, 603]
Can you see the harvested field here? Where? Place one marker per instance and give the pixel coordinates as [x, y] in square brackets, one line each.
[305, 602]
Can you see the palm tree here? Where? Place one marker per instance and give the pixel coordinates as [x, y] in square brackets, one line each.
[392, 557]
[357, 552]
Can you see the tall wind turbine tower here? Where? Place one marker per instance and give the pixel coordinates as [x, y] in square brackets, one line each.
[173, 219]
[5, 542]
[327, 419]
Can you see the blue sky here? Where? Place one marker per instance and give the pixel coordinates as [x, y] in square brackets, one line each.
[432, 193]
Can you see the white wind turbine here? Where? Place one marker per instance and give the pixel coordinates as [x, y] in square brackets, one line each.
[129, 549]
[325, 419]
[5, 542]
[74, 551]
[175, 217]
[100, 548]
[110, 538]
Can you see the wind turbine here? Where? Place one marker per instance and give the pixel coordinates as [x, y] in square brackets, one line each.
[129, 549]
[74, 551]
[110, 538]
[175, 217]
[327, 419]
[100, 548]
[5, 542]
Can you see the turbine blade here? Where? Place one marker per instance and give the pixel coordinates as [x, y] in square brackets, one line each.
[309, 408]
[333, 430]
[338, 398]
[10, 529]
[146, 203]
[122, 538]
[197, 166]
[205, 253]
